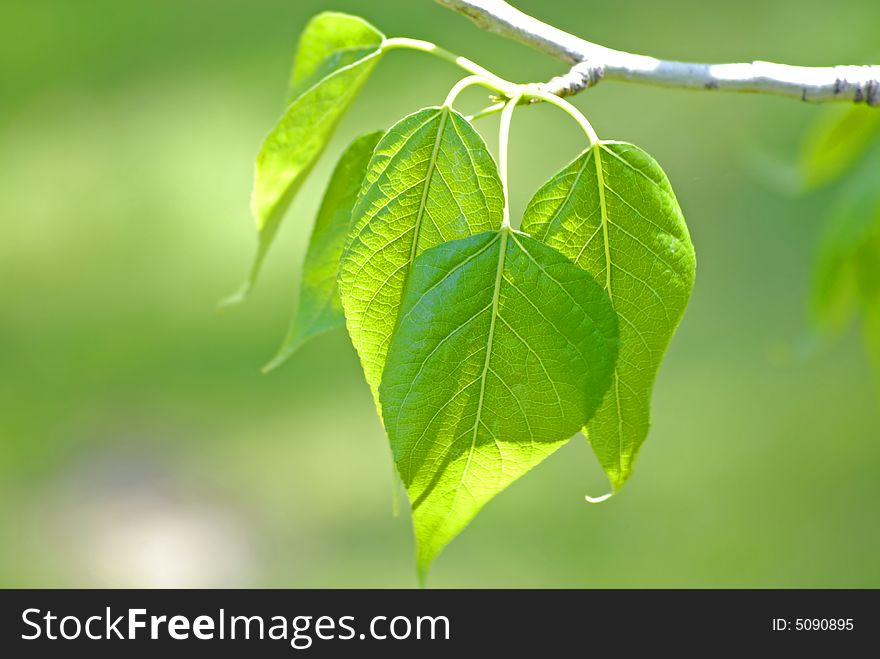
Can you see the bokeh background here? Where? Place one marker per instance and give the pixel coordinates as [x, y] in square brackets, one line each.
[139, 443]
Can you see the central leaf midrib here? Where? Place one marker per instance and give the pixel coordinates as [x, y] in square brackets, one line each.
[603, 207]
[417, 225]
[432, 164]
[493, 317]
[603, 212]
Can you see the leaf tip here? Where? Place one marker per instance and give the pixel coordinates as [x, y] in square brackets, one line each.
[236, 298]
[280, 357]
[426, 552]
[244, 291]
[422, 573]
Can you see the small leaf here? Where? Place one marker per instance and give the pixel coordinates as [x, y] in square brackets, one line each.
[319, 308]
[504, 350]
[613, 212]
[846, 283]
[431, 179]
[848, 264]
[335, 57]
[836, 141]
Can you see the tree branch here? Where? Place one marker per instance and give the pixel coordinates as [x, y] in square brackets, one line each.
[592, 63]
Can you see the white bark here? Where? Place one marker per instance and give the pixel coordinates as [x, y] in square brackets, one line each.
[592, 63]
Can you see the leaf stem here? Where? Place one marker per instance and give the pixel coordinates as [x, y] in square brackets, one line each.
[493, 82]
[463, 84]
[503, 139]
[489, 110]
[496, 83]
[599, 499]
[572, 111]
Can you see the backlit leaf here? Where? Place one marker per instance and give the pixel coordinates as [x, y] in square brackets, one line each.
[504, 350]
[431, 179]
[335, 57]
[613, 212]
[319, 308]
[329, 42]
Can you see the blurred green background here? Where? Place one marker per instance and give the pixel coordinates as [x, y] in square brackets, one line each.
[139, 443]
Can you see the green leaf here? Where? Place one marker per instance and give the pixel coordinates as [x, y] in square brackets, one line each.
[836, 141]
[504, 350]
[846, 282]
[847, 273]
[335, 57]
[431, 179]
[320, 309]
[331, 41]
[612, 211]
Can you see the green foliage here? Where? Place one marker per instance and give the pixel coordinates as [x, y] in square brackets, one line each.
[431, 179]
[848, 264]
[487, 348]
[612, 212]
[330, 42]
[846, 281]
[320, 309]
[836, 142]
[503, 352]
[335, 57]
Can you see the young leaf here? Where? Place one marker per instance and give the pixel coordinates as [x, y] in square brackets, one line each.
[320, 309]
[847, 262]
[431, 179]
[335, 57]
[613, 212]
[835, 296]
[504, 350]
[836, 141]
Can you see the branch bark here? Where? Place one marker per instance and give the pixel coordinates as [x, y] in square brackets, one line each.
[591, 63]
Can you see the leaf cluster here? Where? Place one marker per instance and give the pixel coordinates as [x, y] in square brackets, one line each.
[486, 347]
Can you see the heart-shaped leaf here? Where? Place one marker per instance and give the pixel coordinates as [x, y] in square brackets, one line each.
[504, 350]
[612, 211]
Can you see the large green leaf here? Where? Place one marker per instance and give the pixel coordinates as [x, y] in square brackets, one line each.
[335, 57]
[320, 309]
[613, 212]
[504, 350]
[431, 179]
